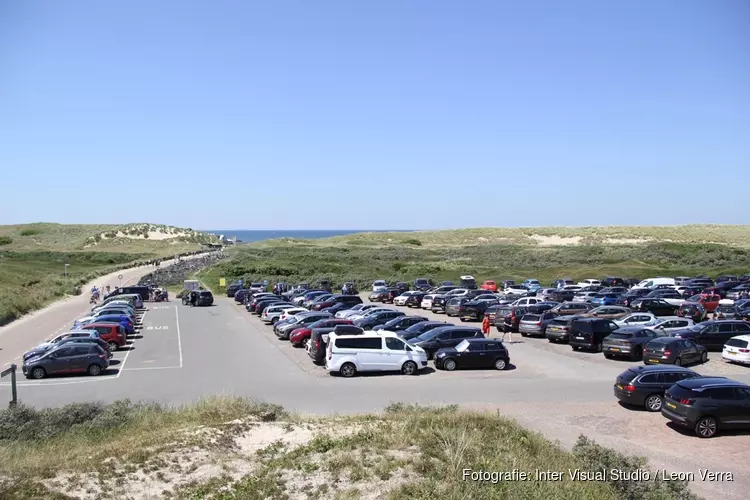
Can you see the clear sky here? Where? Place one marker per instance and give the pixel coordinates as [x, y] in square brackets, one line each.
[337, 114]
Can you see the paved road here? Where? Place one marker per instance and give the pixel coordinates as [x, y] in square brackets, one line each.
[183, 353]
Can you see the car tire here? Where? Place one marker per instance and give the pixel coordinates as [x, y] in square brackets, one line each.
[678, 361]
[608, 355]
[500, 364]
[599, 347]
[706, 427]
[524, 334]
[274, 320]
[38, 373]
[704, 357]
[94, 370]
[449, 365]
[463, 320]
[348, 370]
[653, 403]
[113, 346]
[409, 368]
[367, 328]
[576, 348]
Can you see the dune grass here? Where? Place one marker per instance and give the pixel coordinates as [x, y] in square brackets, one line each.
[406, 452]
[311, 260]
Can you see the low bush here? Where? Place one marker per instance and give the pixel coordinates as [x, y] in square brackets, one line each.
[6, 240]
[29, 232]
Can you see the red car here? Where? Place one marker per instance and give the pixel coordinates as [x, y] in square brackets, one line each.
[299, 336]
[709, 301]
[111, 333]
[489, 285]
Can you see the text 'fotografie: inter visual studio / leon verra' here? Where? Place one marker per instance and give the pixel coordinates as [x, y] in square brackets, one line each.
[600, 475]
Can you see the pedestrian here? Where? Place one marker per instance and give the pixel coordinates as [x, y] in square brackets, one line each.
[486, 326]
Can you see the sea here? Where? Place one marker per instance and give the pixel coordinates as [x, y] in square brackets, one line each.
[250, 236]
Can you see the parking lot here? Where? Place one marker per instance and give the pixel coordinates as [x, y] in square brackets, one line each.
[181, 353]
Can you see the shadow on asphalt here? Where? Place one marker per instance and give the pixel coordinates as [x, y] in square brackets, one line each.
[685, 431]
[638, 408]
[126, 348]
[114, 362]
[135, 336]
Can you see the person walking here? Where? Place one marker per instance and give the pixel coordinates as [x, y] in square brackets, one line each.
[486, 326]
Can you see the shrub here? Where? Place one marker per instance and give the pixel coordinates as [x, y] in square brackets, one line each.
[29, 232]
[413, 241]
[6, 240]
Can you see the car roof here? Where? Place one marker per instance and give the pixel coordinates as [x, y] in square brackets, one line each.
[699, 384]
[659, 368]
[629, 329]
[742, 337]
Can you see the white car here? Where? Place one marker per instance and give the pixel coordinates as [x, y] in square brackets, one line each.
[575, 288]
[291, 312]
[635, 319]
[427, 301]
[584, 296]
[272, 314]
[379, 285]
[384, 351]
[401, 299]
[667, 325]
[526, 301]
[589, 282]
[358, 309]
[515, 290]
[737, 350]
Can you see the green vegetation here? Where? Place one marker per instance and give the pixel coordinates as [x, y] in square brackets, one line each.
[407, 452]
[353, 258]
[33, 258]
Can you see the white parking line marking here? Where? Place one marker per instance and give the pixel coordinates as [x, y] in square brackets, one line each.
[179, 337]
[127, 354]
[153, 368]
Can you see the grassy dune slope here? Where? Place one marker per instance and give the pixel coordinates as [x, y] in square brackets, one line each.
[231, 448]
[33, 256]
[545, 254]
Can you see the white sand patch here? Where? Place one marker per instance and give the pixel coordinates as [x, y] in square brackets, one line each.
[554, 241]
[627, 241]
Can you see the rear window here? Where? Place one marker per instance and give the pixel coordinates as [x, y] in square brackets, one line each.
[530, 317]
[737, 343]
[559, 322]
[360, 343]
[679, 392]
[582, 326]
[627, 376]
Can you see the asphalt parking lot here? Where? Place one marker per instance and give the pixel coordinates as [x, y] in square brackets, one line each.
[181, 354]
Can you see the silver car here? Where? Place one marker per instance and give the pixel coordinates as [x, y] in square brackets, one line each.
[636, 319]
[667, 325]
[584, 296]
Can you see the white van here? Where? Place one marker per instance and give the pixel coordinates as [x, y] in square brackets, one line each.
[373, 352]
[652, 282]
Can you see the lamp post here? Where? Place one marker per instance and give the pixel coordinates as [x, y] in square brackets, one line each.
[66, 270]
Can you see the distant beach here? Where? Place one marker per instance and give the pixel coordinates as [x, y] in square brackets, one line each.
[249, 236]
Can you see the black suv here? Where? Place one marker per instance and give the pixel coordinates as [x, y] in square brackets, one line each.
[611, 281]
[473, 310]
[715, 333]
[422, 284]
[645, 385]
[707, 405]
[657, 307]
[445, 336]
[628, 297]
[588, 333]
[318, 344]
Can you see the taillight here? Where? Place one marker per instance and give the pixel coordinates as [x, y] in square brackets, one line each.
[539, 324]
[687, 401]
[744, 350]
[667, 353]
[630, 388]
[103, 356]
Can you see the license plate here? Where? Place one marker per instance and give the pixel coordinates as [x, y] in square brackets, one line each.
[671, 405]
[579, 338]
[655, 361]
[732, 353]
[619, 386]
[614, 349]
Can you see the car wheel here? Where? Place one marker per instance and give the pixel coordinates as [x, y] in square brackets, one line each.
[274, 320]
[409, 368]
[706, 427]
[599, 347]
[704, 357]
[38, 373]
[576, 348]
[113, 346]
[608, 355]
[94, 370]
[463, 320]
[653, 403]
[449, 365]
[305, 343]
[500, 364]
[367, 328]
[348, 370]
[524, 334]
[678, 362]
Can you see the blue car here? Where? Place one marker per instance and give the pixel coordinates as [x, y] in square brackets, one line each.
[117, 318]
[532, 285]
[605, 299]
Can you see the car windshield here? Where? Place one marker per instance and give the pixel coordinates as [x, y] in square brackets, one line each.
[697, 328]
[428, 335]
[655, 322]
[464, 345]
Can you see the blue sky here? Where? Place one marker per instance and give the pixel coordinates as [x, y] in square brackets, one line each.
[421, 114]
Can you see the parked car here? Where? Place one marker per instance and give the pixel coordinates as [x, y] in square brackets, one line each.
[272, 314]
[657, 307]
[714, 333]
[692, 310]
[401, 299]
[284, 330]
[415, 299]
[399, 323]
[737, 350]
[445, 336]
[307, 296]
[589, 333]
[725, 310]
[613, 281]
[628, 297]
[111, 333]
[312, 301]
[438, 303]
[585, 297]
[489, 285]
[513, 319]
[377, 296]
[627, 341]
[369, 312]
[736, 292]
[518, 290]
[500, 314]
[473, 353]
[427, 301]
[607, 312]
[562, 282]
[422, 284]
[636, 318]
[347, 300]
[491, 311]
[379, 285]
[371, 321]
[708, 405]
[558, 328]
[674, 351]
[535, 323]
[66, 359]
[419, 328]
[389, 295]
[572, 308]
[669, 295]
[644, 386]
[318, 344]
[350, 354]
[349, 288]
[473, 310]
[300, 336]
[453, 305]
[709, 301]
[667, 325]
[359, 308]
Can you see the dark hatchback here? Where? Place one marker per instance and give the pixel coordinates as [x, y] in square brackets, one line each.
[400, 323]
[715, 333]
[445, 336]
[589, 333]
[390, 294]
[627, 341]
[558, 330]
[473, 310]
[85, 358]
[473, 353]
[376, 296]
[438, 303]
[673, 351]
[500, 314]
[420, 328]
[512, 320]
[454, 304]
[708, 405]
[627, 298]
[645, 385]
[657, 307]
[415, 299]
[205, 298]
[381, 318]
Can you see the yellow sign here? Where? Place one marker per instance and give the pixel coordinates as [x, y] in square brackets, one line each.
[222, 282]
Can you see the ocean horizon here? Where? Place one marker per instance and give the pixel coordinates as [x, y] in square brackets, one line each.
[253, 235]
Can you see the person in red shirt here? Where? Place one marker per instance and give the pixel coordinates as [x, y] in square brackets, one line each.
[486, 325]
